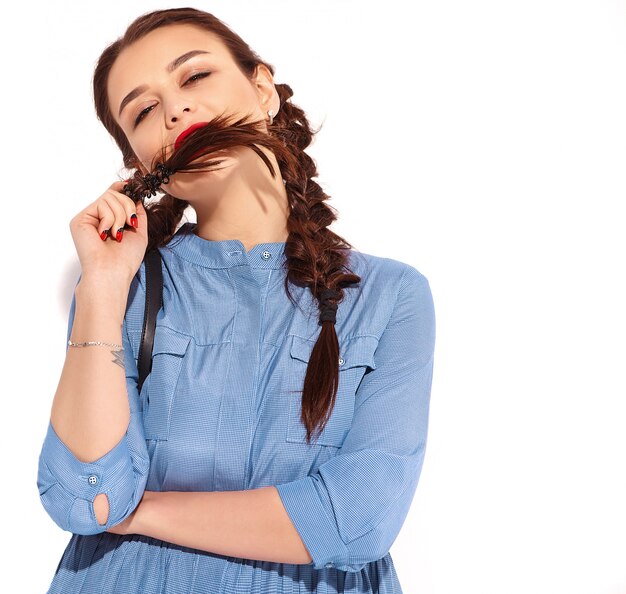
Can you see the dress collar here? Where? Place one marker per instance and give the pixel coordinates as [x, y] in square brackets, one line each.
[225, 253]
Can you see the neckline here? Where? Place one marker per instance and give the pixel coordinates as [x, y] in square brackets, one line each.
[225, 253]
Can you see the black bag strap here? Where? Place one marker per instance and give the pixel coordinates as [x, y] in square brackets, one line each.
[154, 301]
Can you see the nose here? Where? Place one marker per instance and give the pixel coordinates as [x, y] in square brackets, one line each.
[174, 118]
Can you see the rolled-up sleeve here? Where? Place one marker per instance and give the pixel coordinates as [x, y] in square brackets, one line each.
[67, 486]
[350, 511]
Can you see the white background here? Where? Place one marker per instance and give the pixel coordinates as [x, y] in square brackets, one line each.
[482, 142]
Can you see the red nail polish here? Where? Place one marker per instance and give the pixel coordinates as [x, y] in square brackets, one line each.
[103, 235]
[118, 236]
[133, 220]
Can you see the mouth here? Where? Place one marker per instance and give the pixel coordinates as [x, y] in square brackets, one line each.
[186, 133]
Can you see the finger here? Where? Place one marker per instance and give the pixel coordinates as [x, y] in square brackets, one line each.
[130, 208]
[117, 228]
[107, 218]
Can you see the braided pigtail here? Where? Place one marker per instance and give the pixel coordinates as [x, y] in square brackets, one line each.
[316, 257]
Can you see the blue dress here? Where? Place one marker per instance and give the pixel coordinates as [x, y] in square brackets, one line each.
[220, 411]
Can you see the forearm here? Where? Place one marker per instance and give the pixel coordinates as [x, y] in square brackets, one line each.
[90, 411]
[251, 524]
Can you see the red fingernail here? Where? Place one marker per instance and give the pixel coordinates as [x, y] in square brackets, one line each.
[103, 235]
[118, 235]
[133, 220]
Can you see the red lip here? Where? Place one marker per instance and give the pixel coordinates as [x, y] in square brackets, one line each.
[187, 132]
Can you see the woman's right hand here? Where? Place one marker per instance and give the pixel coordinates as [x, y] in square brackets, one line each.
[110, 260]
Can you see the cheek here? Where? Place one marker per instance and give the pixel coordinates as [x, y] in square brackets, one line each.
[146, 142]
[147, 153]
[243, 100]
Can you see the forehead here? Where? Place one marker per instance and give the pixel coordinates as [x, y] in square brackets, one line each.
[148, 57]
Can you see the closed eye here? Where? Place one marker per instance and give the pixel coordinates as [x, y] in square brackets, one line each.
[196, 77]
[142, 114]
[191, 79]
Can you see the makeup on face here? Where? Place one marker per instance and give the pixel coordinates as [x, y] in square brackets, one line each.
[187, 132]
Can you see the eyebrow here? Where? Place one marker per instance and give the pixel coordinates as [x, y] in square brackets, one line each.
[173, 65]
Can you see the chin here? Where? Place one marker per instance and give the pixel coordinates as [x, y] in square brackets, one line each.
[193, 185]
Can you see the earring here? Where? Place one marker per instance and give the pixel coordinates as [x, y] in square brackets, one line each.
[270, 114]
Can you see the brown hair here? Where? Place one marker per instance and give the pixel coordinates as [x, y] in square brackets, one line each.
[315, 256]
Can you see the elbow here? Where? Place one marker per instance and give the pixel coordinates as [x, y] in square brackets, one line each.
[357, 554]
[68, 512]
[69, 488]
[376, 544]
[348, 538]
[370, 541]
[82, 514]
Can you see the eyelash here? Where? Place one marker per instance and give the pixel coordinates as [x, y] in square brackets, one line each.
[147, 110]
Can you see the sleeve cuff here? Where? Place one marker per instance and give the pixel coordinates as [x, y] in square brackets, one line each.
[111, 474]
[311, 519]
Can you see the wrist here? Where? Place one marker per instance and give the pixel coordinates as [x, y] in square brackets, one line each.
[109, 299]
[110, 281]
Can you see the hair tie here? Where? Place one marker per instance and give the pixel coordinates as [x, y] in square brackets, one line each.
[328, 307]
[149, 183]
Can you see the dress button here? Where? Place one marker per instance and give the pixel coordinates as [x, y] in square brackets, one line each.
[341, 361]
[93, 479]
[266, 255]
[329, 565]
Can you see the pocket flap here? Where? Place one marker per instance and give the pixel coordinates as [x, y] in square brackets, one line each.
[169, 341]
[357, 351]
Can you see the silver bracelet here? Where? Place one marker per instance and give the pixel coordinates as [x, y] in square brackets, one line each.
[82, 344]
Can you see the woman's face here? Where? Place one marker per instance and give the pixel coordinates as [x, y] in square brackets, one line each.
[176, 76]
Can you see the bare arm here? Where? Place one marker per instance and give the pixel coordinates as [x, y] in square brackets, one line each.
[90, 411]
[251, 524]
[94, 452]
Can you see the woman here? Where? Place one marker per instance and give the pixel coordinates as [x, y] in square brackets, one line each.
[277, 442]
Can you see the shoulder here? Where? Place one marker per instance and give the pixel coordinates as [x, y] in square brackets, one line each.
[390, 290]
[393, 274]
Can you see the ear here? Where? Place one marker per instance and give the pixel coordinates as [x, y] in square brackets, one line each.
[264, 84]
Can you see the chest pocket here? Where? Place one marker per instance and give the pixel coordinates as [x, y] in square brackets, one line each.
[158, 393]
[356, 357]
